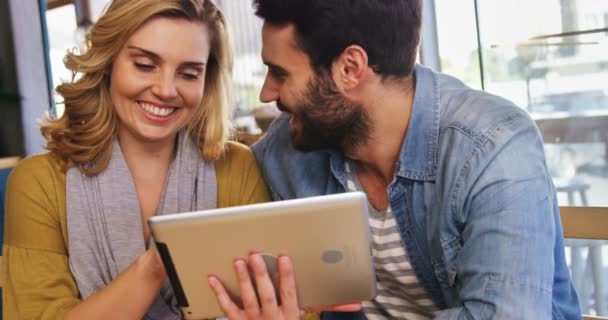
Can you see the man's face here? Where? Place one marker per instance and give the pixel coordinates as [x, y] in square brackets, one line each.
[321, 116]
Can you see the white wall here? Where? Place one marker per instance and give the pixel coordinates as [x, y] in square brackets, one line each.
[31, 70]
[429, 50]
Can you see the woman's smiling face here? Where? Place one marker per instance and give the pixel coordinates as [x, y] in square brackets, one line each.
[158, 78]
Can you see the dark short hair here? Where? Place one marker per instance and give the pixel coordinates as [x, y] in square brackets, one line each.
[388, 30]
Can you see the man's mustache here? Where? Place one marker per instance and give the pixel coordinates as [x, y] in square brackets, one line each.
[282, 107]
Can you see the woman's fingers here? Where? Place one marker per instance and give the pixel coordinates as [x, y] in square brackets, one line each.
[230, 309]
[287, 287]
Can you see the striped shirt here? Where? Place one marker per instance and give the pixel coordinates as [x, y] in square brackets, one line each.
[399, 294]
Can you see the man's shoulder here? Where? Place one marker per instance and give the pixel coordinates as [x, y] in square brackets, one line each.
[291, 173]
[476, 113]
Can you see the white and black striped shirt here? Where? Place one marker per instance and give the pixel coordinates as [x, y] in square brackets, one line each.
[399, 294]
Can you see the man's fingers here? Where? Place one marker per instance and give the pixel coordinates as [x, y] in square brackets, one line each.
[265, 288]
[248, 294]
[351, 307]
[348, 307]
[287, 287]
[260, 299]
[230, 309]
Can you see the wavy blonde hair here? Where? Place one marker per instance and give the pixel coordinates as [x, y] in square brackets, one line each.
[83, 135]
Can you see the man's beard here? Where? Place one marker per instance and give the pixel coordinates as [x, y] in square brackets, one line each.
[328, 119]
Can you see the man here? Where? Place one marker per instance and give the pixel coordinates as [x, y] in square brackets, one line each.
[464, 219]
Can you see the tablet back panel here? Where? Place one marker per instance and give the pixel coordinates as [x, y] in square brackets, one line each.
[327, 237]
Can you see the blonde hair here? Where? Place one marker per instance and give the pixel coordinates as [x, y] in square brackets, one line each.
[83, 136]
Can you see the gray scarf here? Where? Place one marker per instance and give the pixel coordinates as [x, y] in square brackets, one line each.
[105, 232]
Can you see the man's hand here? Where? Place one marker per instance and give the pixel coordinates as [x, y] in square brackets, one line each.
[267, 306]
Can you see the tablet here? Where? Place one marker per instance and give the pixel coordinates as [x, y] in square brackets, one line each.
[327, 238]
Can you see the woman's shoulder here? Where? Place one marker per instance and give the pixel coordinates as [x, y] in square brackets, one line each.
[35, 204]
[39, 166]
[239, 179]
[39, 176]
[236, 155]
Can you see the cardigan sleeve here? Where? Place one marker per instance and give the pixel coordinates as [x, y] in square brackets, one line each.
[35, 272]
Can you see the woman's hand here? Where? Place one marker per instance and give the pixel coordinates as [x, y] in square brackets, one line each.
[260, 302]
[129, 296]
[152, 265]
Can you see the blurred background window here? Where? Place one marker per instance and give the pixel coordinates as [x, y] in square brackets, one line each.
[251, 117]
[67, 22]
[550, 57]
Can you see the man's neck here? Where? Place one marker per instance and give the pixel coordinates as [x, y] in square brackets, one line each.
[389, 108]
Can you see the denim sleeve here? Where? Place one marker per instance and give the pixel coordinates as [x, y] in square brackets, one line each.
[504, 202]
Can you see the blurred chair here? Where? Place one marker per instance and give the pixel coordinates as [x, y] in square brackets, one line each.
[6, 165]
[578, 263]
[265, 115]
[590, 223]
[571, 187]
[247, 138]
[8, 162]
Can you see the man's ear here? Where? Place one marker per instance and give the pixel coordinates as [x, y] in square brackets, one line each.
[350, 67]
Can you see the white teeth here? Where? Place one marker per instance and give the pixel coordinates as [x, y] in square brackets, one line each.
[156, 111]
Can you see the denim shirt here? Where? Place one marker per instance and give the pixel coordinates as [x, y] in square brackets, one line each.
[473, 199]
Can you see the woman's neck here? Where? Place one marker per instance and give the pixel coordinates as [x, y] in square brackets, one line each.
[146, 159]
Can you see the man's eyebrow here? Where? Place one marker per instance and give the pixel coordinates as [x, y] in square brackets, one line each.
[155, 56]
[274, 66]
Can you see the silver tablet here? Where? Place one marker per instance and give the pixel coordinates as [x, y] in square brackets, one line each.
[327, 237]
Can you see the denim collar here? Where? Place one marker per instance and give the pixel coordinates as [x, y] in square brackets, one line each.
[418, 159]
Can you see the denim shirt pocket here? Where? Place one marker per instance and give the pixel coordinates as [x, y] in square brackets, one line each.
[445, 265]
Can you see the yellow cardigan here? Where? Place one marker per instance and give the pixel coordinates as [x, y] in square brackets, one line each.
[35, 272]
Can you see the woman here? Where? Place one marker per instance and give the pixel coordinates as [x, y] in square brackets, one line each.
[144, 133]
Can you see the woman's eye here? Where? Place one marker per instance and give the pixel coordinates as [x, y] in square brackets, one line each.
[143, 66]
[189, 76]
